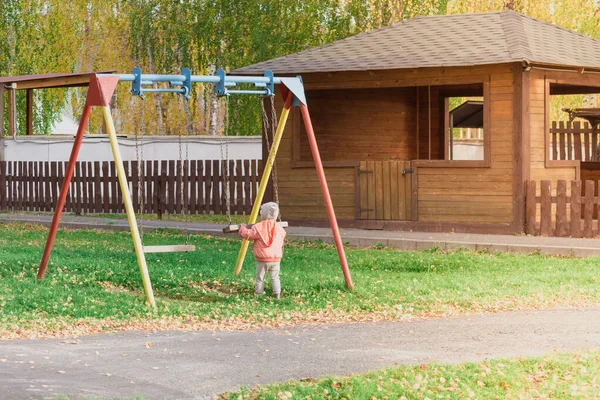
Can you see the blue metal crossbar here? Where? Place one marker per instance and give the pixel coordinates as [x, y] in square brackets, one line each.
[182, 84]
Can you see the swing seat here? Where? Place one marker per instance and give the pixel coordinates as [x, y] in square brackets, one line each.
[236, 228]
[169, 248]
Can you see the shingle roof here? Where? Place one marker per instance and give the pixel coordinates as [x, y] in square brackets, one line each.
[444, 41]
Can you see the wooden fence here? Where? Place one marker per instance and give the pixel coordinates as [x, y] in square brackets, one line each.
[574, 215]
[574, 141]
[168, 186]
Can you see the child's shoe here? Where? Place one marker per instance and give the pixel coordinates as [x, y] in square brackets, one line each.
[277, 296]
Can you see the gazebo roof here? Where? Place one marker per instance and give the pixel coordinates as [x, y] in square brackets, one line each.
[444, 41]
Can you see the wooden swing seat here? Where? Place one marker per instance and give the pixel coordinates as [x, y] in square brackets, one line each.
[236, 228]
[169, 248]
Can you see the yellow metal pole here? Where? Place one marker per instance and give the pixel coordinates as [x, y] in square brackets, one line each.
[264, 181]
[135, 234]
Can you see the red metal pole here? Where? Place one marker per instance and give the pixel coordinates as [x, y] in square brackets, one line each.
[64, 189]
[326, 196]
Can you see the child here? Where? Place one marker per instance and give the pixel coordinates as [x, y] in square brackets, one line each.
[268, 239]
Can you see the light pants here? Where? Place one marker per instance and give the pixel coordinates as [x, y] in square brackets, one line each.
[272, 268]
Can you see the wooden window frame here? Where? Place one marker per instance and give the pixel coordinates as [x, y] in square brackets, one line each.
[296, 120]
[487, 149]
[571, 78]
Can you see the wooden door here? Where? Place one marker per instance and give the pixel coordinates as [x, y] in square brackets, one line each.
[385, 190]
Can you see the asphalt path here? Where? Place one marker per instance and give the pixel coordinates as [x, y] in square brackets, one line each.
[201, 364]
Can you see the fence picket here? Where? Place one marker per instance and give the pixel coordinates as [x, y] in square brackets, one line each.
[546, 208]
[588, 210]
[195, 186]
[562, 227]
[575, 208]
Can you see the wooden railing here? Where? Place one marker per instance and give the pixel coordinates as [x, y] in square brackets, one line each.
[574, 215]
[573, 141]
[188, 187]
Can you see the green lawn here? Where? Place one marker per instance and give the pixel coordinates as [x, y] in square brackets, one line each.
[558, 376]
[93, 284]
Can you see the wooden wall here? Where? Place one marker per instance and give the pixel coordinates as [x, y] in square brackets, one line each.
[361, 124]
[445, 193]
[540, 169]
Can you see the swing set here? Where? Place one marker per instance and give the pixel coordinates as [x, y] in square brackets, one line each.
[101, 89]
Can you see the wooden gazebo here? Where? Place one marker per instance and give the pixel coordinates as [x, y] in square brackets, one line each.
[380, 108]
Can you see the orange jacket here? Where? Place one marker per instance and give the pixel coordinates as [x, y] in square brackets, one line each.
[268, 239]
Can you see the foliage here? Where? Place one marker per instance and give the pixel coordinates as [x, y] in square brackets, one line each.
[557, 376]
[93, 284]
[164, 35]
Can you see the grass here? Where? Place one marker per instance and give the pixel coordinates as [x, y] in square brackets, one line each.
[208, 218]
[93, 284]
[558, 376]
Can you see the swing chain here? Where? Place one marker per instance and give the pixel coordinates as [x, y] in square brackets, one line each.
[225, 175]
[269, 128]
[139, 155]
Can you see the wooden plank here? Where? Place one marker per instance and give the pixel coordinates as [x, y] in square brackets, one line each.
[554, 141]
[588, 210]
[2, 169]
[230, 177]
[47, 184]
[371, 203]
[247, 192]
[207, 183]
[193, 187]
[395, 189]
[363, 188]
[90, 187]
[166, 197]
[200, 199]
[114, 188]
[379, 186]
[77, 188]
[587, 146]
[53, 184]
[569, 142]
[135, 185]
[405, 190]
[385, 180]
[575, 209]
[562, 227]
[20, 185]
[235, 228]
[105, 187]
[37, 183]
[562, 143]
[216, 187]
[60, 176]
[595, 143]
[239, 190]
[577, 140]
[97, 187]
[171, 189]
[177, 173]
[31, 191]
[186, 187]
[530, 207]
[169, 248]
[546, 208]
